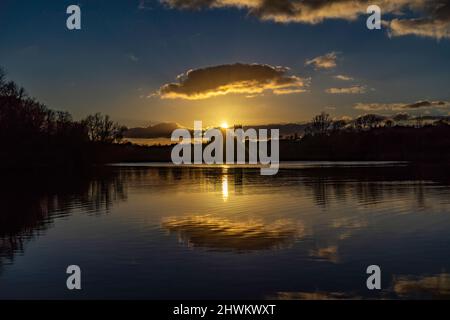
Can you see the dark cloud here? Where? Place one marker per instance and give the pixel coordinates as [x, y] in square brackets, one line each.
[189, 4]
[160, 130]
[425, 104]
[250, 79]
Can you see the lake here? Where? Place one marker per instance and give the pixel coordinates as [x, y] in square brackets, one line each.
[156, 231]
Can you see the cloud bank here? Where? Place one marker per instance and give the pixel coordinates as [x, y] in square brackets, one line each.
[419, 105]
[250, 79]
[432, 17]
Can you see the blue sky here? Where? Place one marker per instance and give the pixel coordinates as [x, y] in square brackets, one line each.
[124, 54]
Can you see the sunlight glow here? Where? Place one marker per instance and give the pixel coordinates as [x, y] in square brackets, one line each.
[225, 188]
[224, 125]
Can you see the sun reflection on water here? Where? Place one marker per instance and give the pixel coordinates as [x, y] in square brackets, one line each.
[225, 184]
[225, 188]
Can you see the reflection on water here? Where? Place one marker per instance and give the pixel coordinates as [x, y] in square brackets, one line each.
[317, 295]
[169, 232]
[407, 287]
[432, 287]
[30, 203]
[225, 187]
[223, 234]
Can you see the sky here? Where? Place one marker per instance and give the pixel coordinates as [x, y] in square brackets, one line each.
[234, 61]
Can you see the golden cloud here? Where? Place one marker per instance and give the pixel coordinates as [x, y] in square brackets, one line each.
[433, 20]
[327, 61]
[420, 27]
[218, 233]
[348, 90]
[249, 79]
[343, 77]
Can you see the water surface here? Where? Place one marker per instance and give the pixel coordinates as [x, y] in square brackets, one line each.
[164, 232]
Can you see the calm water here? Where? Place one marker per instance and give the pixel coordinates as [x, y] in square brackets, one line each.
[162, 232]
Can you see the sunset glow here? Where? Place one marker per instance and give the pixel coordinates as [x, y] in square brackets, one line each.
[214, 157]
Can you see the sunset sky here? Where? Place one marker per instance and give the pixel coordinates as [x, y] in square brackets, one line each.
[251, 61]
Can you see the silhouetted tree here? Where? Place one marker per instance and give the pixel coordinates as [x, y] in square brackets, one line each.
[31, 131]
[339, 125]
[400, 117]
[320, 124]
[103, 129]
[369, 121]
[419, 122]
[389, 123]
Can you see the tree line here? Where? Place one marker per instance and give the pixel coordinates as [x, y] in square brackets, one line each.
[323, 124]
[32, 132]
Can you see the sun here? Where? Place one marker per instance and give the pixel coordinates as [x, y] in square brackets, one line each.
[224, 125]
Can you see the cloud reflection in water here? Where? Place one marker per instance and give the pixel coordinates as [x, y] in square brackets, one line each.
[224, 234]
